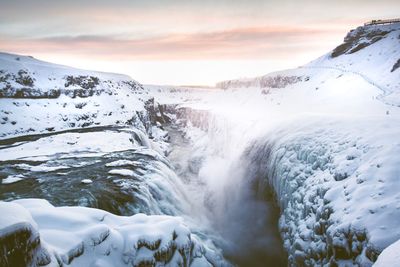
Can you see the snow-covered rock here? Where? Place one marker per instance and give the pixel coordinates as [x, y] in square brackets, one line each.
[20, 241]
[41, 234]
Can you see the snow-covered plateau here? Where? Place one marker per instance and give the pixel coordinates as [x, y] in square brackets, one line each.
[298, 167]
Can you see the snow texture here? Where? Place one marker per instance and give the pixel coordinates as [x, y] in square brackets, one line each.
[77, 236]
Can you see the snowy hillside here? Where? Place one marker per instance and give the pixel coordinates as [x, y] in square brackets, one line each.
[370, 52]
[373, 53]
[25, 76]
[37, 96]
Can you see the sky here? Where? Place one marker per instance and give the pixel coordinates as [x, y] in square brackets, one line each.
[183, 42]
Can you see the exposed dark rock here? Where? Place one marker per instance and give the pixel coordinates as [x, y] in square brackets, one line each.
[277, 81]
[24, 78]
[396, 65]
[20, 246]
[358, 39]
[372, 253]
[85, 82]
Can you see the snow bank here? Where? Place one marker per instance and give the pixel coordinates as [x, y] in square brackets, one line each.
[77, 236]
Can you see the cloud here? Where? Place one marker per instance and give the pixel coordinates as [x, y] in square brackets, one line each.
[237, 43]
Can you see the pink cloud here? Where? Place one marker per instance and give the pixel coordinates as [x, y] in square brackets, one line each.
[238, 43]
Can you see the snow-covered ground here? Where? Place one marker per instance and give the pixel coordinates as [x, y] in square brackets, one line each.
[321, 141]
[50, 102]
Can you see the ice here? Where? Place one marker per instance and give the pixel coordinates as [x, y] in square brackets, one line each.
[86, 181]
[12, 179]
[65, 145]
[122, 172]
[123, 162]
[40, 168]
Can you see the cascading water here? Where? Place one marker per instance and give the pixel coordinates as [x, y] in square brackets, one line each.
[226, 196]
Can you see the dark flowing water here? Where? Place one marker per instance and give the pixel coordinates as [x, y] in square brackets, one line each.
[122, 195]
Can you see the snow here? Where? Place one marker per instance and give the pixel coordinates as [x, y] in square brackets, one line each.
[122, 162]
[12, 179]
[390, 256]
[114, 100]
[79, 236]
[86, 181]
[346, 180]
[15, 215]
[373, 64]
[66, 145]
[48, 75]
[40, 168]
[28, 116]
[122, 172]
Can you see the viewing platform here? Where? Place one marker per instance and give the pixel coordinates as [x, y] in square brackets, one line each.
[382, 22]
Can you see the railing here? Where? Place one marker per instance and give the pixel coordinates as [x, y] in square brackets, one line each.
[381, 22]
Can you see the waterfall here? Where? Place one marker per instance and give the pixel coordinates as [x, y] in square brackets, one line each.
[236, 207]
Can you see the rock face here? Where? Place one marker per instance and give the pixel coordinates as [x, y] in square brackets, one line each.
[20, 246]
[396, 66]
[360, 38]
